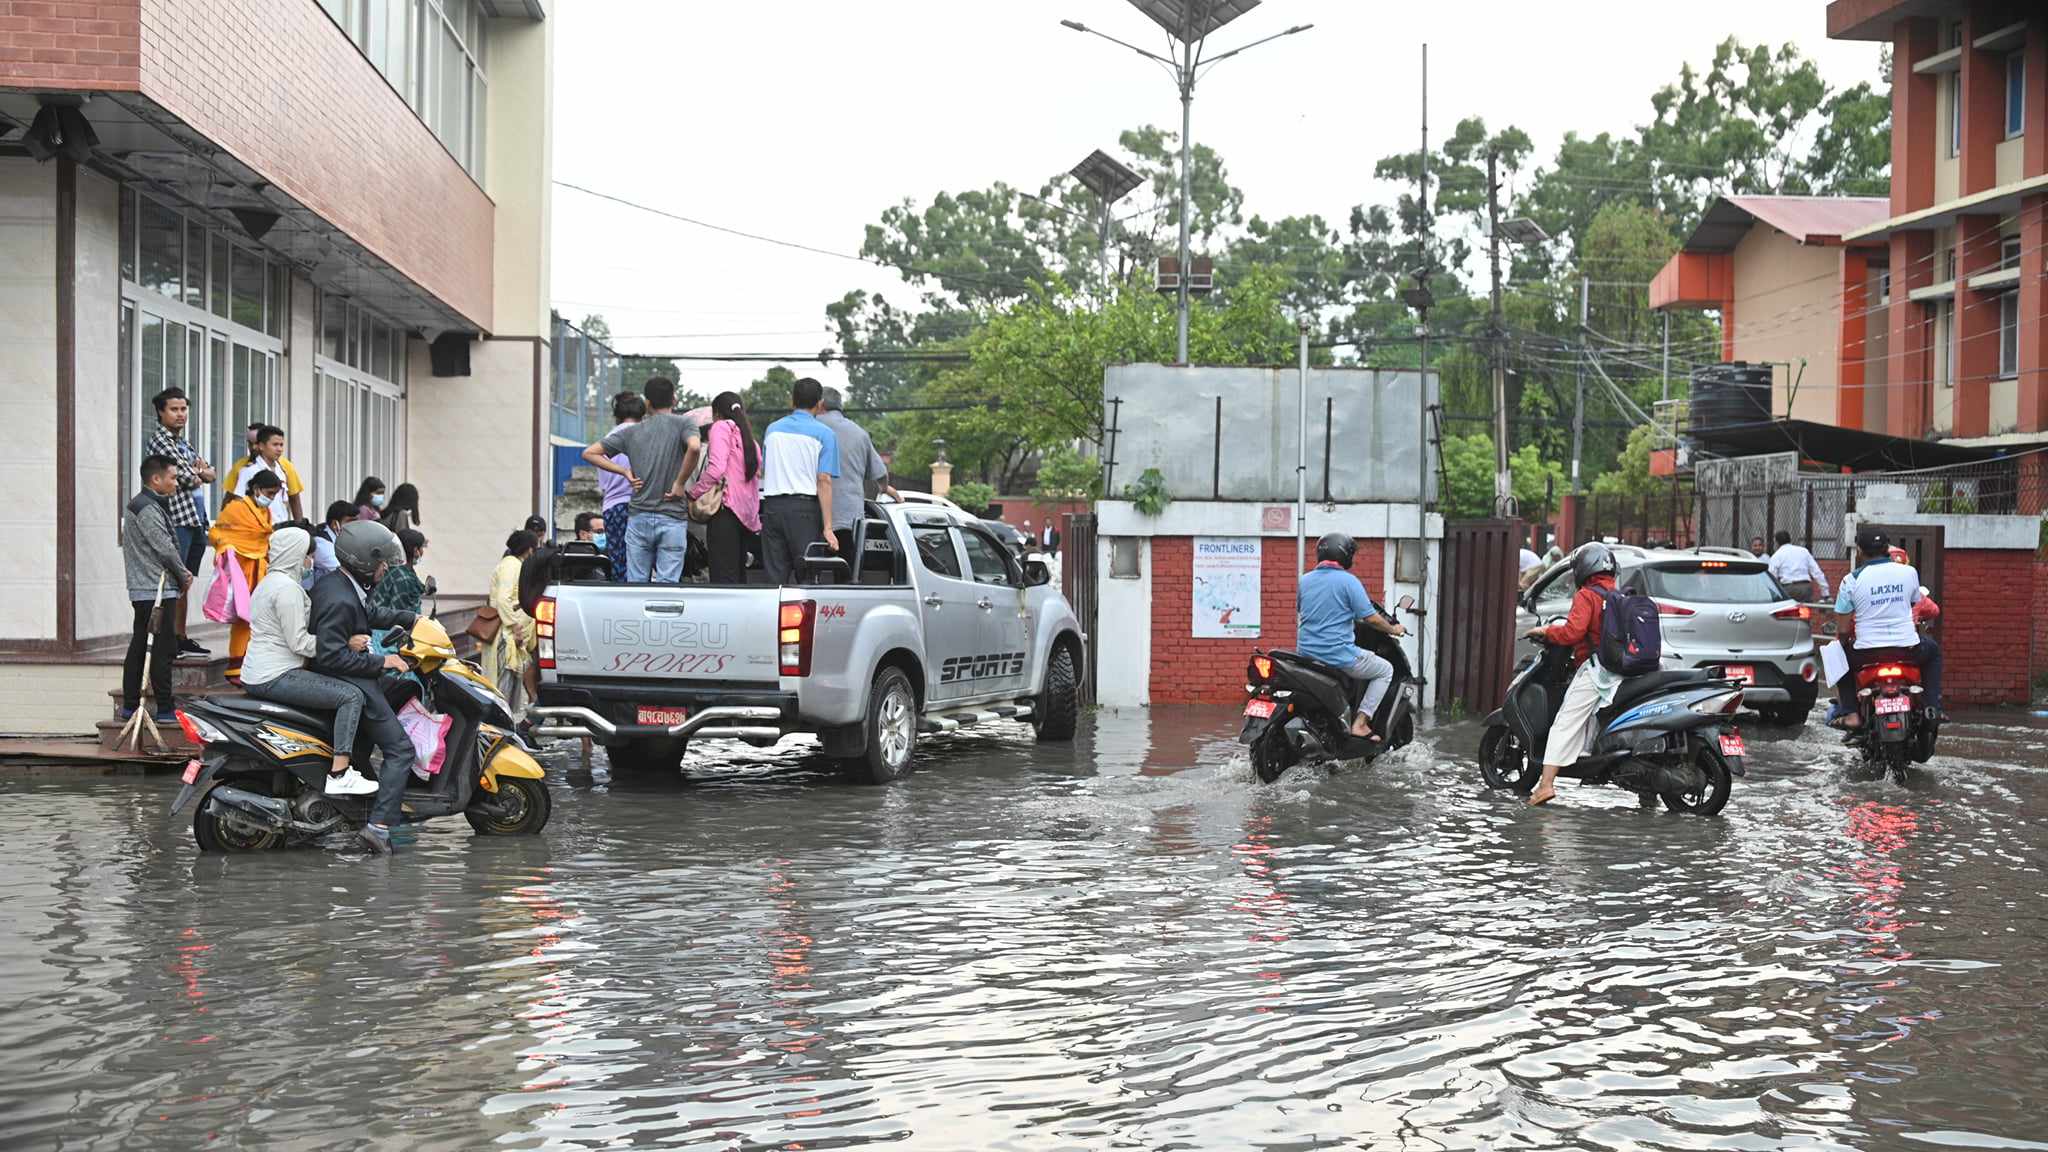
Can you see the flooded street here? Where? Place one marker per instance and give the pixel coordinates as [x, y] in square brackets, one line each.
[1123, 943]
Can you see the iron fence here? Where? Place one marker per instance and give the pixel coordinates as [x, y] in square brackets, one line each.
[587, 372]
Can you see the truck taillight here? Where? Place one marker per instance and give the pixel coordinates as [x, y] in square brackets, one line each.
[793, 636]
[544, 627]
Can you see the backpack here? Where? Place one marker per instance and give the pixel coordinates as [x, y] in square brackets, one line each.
[1631, 639]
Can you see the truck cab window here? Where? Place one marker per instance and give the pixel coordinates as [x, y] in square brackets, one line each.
[989, 560]
[935, 549]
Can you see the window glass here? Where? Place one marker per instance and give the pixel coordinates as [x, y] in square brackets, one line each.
[127, 233]
[219, 277]
[2015, 94]
[243, 386]
[1955, 113]
[448, 118]
[195, 265]
[935, 549]
[2009, 252]
[988, 559]
[279, 298]
[1553, 597]
[2009, 334]
[481, 93]
[217, 385]
[1697, 583]
[333, 320]
[174, 355]
[245, 288]
[152, 355]
[127, 401]
[380, 351]
[163, 249]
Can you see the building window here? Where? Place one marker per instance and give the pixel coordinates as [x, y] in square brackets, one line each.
[358, 390]
[2009, 252]
[432, 53]
[2009, 335]
[2015, 94]
[1955, 113]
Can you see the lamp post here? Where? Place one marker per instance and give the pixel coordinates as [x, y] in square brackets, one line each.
[1101, 174]
[1188, 23]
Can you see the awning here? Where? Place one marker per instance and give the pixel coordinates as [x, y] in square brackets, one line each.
[1833, 447]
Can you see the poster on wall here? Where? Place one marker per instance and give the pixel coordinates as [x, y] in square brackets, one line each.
[1226, 588]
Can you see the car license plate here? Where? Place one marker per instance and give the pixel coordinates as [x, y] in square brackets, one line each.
[192, 768]
[1888, 704]
[1740, 673]
[665, 717]
[1261, 708]
[1731, 744]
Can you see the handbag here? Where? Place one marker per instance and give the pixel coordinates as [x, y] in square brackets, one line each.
[484, 625]
[707, 506]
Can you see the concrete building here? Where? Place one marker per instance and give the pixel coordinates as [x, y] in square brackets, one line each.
[331, 215]
[1772, 267]
[1953, 324]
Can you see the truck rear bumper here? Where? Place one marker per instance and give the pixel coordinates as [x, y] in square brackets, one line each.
[609, 715]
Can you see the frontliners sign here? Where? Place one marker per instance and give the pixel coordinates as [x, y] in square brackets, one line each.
[1226, 588]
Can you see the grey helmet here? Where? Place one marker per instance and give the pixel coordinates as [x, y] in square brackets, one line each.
[1591, 560]
[362, 545]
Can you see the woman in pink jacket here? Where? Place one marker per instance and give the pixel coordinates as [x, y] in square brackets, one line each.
[733, 464]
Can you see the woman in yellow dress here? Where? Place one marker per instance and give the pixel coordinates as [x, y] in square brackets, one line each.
[506, 658]
[244, 527]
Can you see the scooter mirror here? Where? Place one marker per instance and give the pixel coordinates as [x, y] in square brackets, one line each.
[1406, 604]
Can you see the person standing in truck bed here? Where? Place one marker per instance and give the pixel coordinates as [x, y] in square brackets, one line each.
[801, 460]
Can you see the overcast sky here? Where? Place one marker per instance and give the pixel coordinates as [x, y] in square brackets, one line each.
[803, 119]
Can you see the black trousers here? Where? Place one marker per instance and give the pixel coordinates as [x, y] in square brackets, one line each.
[381, 724]
[138, 654]
[789, 524]
[729, 542]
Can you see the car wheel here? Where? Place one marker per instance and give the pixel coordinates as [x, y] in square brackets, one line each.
[891, 729]
[659, 754]
[1058, 709]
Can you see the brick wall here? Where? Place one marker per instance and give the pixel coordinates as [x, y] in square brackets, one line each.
[1186, 670]
[2040, 606]
[1983, 594]
[277, 85]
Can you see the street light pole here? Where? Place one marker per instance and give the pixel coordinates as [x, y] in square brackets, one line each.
[1187, 111]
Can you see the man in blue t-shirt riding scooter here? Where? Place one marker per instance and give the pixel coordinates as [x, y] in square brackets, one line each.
[1330, 601]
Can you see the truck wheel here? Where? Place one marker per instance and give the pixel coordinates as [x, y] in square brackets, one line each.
[891, 729]
[1058, 708]
[660, 754]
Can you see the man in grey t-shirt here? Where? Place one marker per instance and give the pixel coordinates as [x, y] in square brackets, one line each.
[859, 466]
[659, 450]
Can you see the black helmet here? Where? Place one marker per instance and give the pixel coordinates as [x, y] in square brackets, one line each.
[1591, 560]
[362, 545]
[1336, 548]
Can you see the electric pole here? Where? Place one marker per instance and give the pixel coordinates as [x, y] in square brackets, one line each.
[1503, 480]
[1579, 399]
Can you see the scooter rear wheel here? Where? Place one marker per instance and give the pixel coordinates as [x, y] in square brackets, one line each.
[520, 809]
[1712, 795]
[1271, 754]
[216, 835]
[1505, 763]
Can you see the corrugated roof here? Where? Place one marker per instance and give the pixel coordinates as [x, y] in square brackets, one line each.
[1807, 219]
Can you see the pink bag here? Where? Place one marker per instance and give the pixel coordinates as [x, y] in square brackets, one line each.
[227, 598]
[429, 736]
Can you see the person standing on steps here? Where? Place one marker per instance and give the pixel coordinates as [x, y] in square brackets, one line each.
[661, 449]
[188, 516]
[241, 537]
[800, 459]
[155, 570]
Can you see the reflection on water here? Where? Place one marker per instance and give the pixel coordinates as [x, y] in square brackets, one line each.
[1122, 943]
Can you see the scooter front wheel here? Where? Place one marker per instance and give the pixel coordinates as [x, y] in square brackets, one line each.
[1504, 762]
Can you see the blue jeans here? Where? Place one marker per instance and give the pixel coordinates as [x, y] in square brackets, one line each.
[656, 547]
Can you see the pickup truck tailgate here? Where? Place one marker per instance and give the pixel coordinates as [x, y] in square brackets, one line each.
[653, 632]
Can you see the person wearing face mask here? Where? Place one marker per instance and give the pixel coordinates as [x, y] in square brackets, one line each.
[590, 529]
[343, 619]
[401, 589]
[370, 499]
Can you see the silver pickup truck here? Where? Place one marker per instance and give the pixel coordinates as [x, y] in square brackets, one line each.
[930, 624]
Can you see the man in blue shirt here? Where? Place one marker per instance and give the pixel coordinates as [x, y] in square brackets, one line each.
[799, 460]
[1329, 602]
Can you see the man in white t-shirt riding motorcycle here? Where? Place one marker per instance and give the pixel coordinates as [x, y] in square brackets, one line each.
[1881, 593]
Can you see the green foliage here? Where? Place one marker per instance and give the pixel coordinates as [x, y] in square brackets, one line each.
[1149, 492]
[1468, 475]
[1630, 475]
[973, 496]
[767, 399]
[1065, 474]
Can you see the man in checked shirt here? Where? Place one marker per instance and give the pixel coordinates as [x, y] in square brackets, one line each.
[188, 518]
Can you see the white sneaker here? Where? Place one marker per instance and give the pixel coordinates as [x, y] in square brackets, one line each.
[350, 783]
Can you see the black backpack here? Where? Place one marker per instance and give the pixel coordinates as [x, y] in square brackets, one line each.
[1631, 639]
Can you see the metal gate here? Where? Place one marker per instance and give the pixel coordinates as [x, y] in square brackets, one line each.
[1077, 583]
[1924, 544]
[1476, 613]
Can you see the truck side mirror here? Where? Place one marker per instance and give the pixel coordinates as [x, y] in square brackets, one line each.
[1036, 573]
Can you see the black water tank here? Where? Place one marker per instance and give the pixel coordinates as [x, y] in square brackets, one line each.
[1728, 395]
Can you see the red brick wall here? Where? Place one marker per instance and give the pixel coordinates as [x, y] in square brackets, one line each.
[2040, 605]
[277, 85]
[1190, 671]
[1983, 595]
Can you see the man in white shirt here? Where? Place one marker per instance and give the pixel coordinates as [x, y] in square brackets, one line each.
[1797, 572]
[1530, 565]
[799, 464]
[1880, 595]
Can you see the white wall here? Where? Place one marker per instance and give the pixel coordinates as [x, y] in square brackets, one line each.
[519, 160]
[1122, 642]
[28, 399]
[102, 587]
[469, 447]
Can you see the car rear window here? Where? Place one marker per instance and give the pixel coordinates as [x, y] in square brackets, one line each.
[1711, 582]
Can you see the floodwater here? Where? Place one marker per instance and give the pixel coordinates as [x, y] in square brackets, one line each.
[1123, 943]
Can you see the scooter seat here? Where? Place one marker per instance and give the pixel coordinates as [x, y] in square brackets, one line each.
[1637, 688]
[314, 723]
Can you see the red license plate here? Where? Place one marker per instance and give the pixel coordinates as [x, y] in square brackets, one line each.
[1260, 708]
[192, 768]
[1888, 704]
[665, 717]
[1740, 673]
[1731, 744]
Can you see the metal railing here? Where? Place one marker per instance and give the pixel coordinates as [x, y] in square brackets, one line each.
[587, 372]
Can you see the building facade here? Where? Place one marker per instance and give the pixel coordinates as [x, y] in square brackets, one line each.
[1944, 328]
[329, 215]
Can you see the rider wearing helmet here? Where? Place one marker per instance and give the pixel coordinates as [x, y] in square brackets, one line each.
[1884, 599]
[343, 619]
[1329, 601]
[1592, 686]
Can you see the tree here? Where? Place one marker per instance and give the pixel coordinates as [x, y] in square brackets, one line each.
[1630, 475]
[1468, 477]
[631, 373]
[973, 495]
[1852, 152]
[1065, 474]
[767, 399]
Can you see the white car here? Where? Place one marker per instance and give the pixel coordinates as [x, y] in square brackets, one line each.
[927, 498]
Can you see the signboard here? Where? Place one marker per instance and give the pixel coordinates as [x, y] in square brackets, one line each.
[1226, 588]
[1276, 518]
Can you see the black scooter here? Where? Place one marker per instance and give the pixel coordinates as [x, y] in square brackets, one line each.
[1667, 734]
[1897, 731]
[1297, 707]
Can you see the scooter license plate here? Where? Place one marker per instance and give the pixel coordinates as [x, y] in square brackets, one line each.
[666, 717]
[1731, 744]
[1740, 673]
[1890, 704]
[192, 770]
[1263, 709]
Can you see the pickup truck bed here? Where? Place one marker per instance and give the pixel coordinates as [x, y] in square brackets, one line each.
[933, 625]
